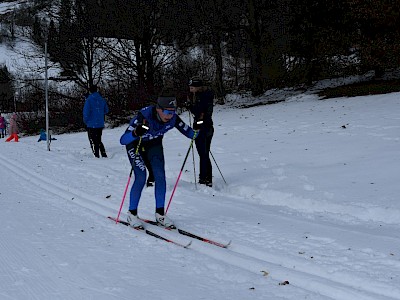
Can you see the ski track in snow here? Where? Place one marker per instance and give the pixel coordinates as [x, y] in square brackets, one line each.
[304, 276]
[29, 283]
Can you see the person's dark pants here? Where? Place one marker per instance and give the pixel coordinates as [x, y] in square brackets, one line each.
[90, 140]
[203, 145]
[94, 135]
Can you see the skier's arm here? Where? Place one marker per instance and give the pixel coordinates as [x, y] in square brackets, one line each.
[86, 111]
[185, 129]
[129, 135]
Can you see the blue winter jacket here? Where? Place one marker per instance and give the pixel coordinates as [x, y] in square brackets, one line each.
[148, 116]
[94, 110]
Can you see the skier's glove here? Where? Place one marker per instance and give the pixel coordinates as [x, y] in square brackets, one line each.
[140, 130]
[198, 125]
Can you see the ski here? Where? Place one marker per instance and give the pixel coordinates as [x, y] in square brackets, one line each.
[189, 234]
[149, 232]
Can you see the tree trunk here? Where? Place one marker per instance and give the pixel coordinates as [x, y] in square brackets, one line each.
[141, 73]
[220, 90]
[256, 73]
[150, 91]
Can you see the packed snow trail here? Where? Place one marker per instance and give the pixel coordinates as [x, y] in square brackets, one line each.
[310, 278]
[309, 202]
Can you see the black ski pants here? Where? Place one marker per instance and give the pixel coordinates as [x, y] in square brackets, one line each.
[94, 135]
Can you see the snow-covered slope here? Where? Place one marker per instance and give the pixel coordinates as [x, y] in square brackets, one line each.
[312, 199]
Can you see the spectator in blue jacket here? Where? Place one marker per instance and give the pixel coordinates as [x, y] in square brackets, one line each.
[143, 138]
[94, 111]
[43, 136]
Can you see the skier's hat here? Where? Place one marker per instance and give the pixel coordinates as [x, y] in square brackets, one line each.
[166, 102]
[195, 82]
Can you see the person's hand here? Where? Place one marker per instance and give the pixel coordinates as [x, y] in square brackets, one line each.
[190, 97]
[198, 125]
[188, 103]
[140, 130]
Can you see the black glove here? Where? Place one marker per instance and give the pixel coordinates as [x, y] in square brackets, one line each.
[140, 130]
[198, 125]
[189, 101]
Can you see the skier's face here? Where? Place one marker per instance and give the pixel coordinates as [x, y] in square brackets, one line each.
[194, 89]
[165, 114]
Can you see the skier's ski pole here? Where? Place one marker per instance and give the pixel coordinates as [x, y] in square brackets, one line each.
[180, 173]
[123, 197]
[217, 167]
[194, 164]
[127, 185]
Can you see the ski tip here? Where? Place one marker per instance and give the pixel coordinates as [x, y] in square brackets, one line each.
[118, 221]
[113, 219]
[227, 245]
[188, 245]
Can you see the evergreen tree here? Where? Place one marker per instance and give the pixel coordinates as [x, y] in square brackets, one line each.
[6, 90]
[378, 38]
[318, 31]
[37, 31]
[52, 40]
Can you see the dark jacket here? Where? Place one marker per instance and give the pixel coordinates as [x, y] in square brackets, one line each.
[203, 105]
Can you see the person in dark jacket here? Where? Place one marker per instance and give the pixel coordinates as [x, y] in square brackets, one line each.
[94, 111]
[143, 139]
[201, 105]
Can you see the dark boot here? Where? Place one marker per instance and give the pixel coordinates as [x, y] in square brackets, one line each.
[102, 150]
[206, 181]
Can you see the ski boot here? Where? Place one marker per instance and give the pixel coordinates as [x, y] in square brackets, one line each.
[134, 221]
[164, 221]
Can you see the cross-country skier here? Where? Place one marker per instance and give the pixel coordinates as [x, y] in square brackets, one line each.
[143, 138]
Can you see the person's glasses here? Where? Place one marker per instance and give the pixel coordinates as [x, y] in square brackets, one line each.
[168, 112]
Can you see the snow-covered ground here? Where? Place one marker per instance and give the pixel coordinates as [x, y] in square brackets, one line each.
[312, 198]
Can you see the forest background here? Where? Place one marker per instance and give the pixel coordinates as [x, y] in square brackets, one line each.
[133, 50]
